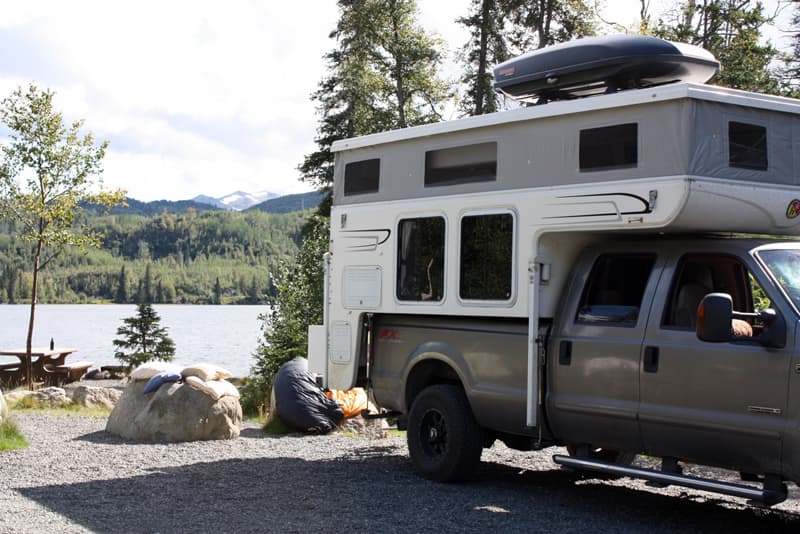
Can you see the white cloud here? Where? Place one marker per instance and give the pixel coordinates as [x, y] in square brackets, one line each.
[195, 96]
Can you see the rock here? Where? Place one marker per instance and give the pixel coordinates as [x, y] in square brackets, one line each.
[175, 412]
[94, 397]
[368, 428]
[55, 397]
[97, 374]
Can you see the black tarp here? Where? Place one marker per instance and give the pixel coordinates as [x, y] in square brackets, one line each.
[301, 403]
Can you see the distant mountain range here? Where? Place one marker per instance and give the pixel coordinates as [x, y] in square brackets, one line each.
[238, 201]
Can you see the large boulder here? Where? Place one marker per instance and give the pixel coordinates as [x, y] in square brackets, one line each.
[95, 397]
[51, 396]
[174, 412]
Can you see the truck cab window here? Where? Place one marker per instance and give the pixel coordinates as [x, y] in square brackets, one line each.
[615, 288]
[700, 274]
[420, 259]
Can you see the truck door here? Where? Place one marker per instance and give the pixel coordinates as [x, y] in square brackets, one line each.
[717, 403]
[594, 378]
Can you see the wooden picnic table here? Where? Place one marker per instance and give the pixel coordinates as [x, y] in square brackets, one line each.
[48, 366]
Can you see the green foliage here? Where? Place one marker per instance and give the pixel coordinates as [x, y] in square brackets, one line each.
[381, 76]
[299, 304]
[46, 174]
[789, 73]
[276, 427]
[731, 31]
[10, 436]
[187, 253]
[486, 47]
[539, 24]
[143, 339]
[254, 394]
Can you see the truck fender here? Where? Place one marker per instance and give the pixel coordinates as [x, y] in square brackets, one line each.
[434, 362]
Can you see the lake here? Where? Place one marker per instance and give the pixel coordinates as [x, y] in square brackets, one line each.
[223, 335]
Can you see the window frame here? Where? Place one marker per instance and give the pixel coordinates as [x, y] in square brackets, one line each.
[358, 193]
[445, 261]
[494, 303]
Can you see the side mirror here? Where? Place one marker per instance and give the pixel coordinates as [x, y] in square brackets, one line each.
[714, 316]
[774, 329]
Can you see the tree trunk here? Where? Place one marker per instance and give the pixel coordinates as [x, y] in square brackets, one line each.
[480, 88]
[34, 297]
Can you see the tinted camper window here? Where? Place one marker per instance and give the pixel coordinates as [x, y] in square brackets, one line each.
[609, 147]
[420, 259]
[747, 146]
[487, 243]
[362, 177]
[461, 165]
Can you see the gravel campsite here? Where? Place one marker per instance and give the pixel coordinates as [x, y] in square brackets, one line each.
[75, 477]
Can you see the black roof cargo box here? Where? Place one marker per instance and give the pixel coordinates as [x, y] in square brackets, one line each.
[600, 65]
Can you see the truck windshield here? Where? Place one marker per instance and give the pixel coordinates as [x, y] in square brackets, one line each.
[784, 264]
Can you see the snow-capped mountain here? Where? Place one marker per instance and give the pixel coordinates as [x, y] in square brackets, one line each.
[236, 201]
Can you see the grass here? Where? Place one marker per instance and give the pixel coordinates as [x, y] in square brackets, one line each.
[31, 405]
[276, 427]
[10, 437]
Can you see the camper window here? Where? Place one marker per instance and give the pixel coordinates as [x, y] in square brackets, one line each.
[614, 291]
[362, 177]
[420, 259]
[609, 147]
[747, 146]
[486, 256]
[461, 165]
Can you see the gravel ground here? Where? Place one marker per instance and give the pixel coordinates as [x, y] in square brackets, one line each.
[74, 477]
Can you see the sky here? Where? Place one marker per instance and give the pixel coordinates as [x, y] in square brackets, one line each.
[196, 97]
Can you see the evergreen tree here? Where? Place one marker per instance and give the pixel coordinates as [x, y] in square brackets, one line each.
[121, 296]
[381, 75]
[539, 23]
[790, 72]
[147, 286]
[732, 31]
[486, 47]
[217, 292]
[143, 339]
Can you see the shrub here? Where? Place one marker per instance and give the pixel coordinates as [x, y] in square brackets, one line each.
[10, 436]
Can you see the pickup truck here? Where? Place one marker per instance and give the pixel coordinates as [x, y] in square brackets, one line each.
[641, 358]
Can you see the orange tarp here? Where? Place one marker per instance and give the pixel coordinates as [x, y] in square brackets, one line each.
[351, 401]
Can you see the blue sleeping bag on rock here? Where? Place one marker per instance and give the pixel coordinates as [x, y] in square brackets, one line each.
[161, 378]
[301, 403]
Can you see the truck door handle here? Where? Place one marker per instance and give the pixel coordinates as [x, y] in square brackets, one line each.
[650, 359]
[565, 353]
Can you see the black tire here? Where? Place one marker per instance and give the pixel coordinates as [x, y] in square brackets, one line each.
[444, 440]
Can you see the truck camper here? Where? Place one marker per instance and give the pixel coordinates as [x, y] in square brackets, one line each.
[571, 272]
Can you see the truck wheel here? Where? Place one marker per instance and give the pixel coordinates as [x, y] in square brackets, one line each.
[444, 440]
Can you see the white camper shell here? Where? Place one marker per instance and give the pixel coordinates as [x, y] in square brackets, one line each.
[679, 158]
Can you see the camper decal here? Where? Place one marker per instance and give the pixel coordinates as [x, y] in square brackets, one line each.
[600, 205]
[366, 240]
[793, 209]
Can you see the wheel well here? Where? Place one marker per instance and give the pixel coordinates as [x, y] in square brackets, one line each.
[427, 373]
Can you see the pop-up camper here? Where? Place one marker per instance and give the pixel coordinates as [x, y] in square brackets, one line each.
[568, 273]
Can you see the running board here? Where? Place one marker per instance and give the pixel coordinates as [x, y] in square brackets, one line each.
[765, 496]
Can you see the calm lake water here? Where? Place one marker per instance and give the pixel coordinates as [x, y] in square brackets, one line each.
[223, 335]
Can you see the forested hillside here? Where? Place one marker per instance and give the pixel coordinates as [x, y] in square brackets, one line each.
[194, 257]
